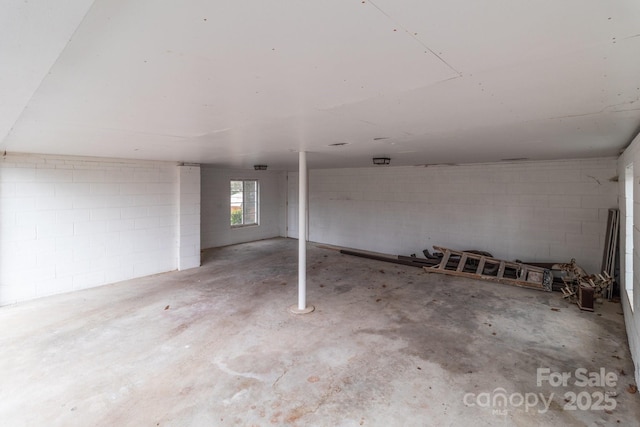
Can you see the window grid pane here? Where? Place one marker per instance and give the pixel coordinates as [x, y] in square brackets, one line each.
[236, 202]
[244, 202]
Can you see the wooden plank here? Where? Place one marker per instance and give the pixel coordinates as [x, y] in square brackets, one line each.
[522, 274]
[426, 262]
[513, 282]
[501, 270]
[611, 241]
[585, 298]
[443, 250]
[525, 275]
[471, 255]
[614, 243]
[615, 253]
[445, 259]
[607, 242]
[423, 261]
[379, 257]
[463, 261]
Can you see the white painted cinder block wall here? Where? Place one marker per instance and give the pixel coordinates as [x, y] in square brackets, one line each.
[215, 222]
[69, 223]
[533, 211]
[631, 156]
[189, 217]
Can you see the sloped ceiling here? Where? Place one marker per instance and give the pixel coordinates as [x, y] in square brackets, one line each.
[233, 83]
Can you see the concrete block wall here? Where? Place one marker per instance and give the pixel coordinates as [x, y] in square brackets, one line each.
[189, 217]
[215, 222]
[68, 223]
[534, 211]
[631, 300]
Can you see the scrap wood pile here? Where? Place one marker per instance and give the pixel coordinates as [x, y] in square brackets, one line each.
[569, 278]
[572, 280]
[472, 264]
[582, 288]
[412, 260]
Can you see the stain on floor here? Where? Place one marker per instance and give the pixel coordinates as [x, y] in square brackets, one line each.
[395, 348]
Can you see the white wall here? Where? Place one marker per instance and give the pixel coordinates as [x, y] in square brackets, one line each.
[292, 205]
[189, 217]
[68, 223]
[215, 221]
[533, 211]
[632, 317]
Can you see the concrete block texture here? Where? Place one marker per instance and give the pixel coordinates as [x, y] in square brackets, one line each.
[74, 223]
[188, 217]
[545, 211]
[628, 173]
[216, 227]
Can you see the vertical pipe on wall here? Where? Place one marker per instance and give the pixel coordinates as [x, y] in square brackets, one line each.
[302, 231]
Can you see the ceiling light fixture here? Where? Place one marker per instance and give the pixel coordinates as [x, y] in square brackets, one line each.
[338, 144]
[381, 160]
[260, 167]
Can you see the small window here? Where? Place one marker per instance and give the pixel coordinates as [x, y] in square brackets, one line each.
[244, 202]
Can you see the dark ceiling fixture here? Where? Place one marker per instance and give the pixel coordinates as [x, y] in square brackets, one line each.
[381, 160]
[338, 144]
[260, 167]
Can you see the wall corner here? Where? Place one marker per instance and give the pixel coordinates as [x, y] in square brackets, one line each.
[189, 216]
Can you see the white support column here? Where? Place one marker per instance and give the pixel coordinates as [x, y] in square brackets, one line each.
[302, 306]
[189, 217]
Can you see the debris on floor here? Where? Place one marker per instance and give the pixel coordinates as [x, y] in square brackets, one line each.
[231, 353]
[402, 260]
[412, 261]
[476, 265]
[582, 288]
[611, 247]
[570, 278]
[513, 273]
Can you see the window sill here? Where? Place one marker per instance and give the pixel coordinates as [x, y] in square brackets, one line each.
[236, 227]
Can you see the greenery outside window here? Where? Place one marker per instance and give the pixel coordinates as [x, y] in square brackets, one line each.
[244, 202]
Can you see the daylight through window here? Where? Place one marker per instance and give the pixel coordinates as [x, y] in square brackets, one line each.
[244, 202]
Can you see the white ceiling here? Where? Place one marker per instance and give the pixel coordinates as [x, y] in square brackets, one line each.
[234, 83]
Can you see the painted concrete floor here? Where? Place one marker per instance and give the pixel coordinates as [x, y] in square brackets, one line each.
[388, 345]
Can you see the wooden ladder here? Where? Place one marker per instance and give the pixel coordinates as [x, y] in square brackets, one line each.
[476, 266]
